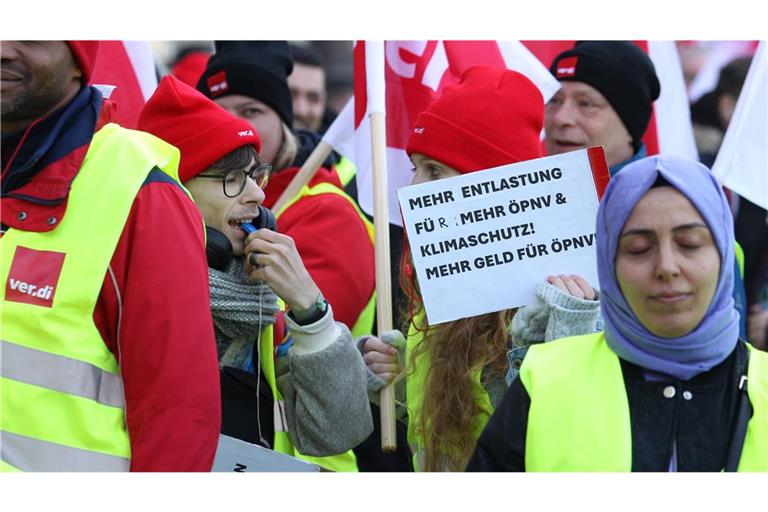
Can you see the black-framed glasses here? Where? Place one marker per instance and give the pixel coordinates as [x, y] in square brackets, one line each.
[233, 182]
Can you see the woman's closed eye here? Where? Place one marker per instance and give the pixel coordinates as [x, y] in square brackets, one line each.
[638, 249]
[692, 242]
[636, 245]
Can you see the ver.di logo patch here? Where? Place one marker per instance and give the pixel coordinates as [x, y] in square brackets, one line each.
[217, 83]
[34, 276]
[567, 67]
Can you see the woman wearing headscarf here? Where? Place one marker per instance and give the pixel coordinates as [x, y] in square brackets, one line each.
[668, 386]
[456, 371]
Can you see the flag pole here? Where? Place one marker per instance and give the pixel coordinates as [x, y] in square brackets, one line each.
[305, 174]
[383, 279]
[374, 56]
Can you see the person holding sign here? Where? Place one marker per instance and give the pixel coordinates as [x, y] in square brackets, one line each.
[319, 375]
[456, 370]
[668, 386]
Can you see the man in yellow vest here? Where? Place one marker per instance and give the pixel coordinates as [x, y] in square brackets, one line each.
[304, 397]
[108, 351]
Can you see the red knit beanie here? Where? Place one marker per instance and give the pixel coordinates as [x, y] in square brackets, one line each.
[203, 131]
[85, 54]
[492, 117]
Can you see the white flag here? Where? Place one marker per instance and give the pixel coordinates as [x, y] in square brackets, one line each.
[742, 162]
[674, 132]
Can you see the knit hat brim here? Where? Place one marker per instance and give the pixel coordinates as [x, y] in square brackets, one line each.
[465, 151]
[217, 137]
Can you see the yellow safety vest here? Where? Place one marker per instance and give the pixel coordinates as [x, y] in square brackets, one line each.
[414, 391]
[364, 323]
[579, 415]
[346, 461]
[345, 170]
[739, 252]
[63, 406]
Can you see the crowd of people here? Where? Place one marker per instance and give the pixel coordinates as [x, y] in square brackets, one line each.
[153, 303]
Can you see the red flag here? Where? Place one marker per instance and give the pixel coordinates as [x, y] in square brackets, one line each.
[129, 67]
[416, 72]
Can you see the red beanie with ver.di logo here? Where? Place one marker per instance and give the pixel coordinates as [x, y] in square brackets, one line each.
[203, 131]
[492, 117]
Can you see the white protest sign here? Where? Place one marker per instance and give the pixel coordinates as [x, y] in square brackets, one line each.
[481, 242]
[242, 457]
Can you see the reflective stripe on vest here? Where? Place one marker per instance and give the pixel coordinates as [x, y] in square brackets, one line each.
[415, 384]
[343, 462]
[579, 415]
[345, 170]
[364, 323]
[62, 400]
[61, 374]
[29, 454]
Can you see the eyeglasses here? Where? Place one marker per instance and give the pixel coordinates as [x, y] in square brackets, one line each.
[234, 181]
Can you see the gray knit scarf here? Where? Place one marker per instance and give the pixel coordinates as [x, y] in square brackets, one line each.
[240, 310]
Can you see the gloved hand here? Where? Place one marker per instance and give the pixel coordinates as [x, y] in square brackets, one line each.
[383, 357]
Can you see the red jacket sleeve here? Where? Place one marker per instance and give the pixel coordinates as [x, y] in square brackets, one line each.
[166, 349]
[335, 247]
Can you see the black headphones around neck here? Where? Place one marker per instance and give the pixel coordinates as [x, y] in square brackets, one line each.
[218, 248]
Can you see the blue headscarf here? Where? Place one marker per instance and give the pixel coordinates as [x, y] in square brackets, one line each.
[715, 337]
